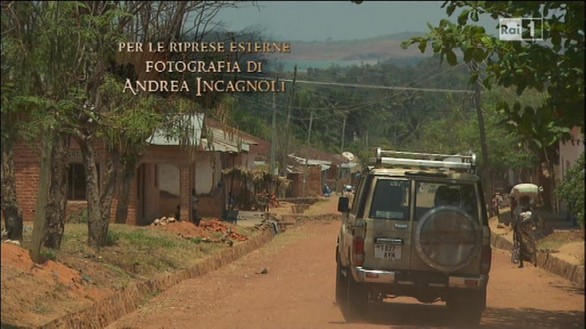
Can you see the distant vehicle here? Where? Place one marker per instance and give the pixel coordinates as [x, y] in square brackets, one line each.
[417, 227]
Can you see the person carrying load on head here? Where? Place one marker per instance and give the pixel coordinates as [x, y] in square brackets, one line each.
[349, 194]
[524, 221]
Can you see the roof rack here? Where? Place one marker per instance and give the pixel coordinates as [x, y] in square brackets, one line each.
[456, 162]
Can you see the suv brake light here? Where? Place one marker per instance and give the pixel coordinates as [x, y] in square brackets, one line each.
[357, 251]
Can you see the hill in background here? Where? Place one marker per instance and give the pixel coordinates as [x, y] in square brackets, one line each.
[320, 54]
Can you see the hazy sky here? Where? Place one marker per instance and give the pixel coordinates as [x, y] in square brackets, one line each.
[338, 20]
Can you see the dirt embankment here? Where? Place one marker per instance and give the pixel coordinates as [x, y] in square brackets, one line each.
[33, 295]
[79, 276]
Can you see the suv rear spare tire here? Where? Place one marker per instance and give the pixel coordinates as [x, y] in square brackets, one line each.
[447, 238]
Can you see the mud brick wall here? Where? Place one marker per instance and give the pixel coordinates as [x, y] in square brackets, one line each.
[313, 185]
[27, 175]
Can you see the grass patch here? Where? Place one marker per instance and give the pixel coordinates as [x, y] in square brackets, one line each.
[557, 239]
[280, 241]
[112, 238]
[132, 253]
[39, 308]
[48, 254]
[549, 245]
[217, 235]
[145, 239]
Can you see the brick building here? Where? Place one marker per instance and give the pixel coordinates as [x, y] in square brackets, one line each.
[322, 168]
[164, 177]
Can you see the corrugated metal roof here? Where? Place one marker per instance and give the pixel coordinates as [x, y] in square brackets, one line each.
[221, 139]
[294, 170]
[193, 122]
[348, 165]
[224, 141]
[325, 165]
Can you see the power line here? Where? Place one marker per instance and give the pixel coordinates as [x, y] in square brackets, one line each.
[352, 85]
[353, 107]
[355, 85]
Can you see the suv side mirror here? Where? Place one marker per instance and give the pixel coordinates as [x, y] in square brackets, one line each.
[343, 203]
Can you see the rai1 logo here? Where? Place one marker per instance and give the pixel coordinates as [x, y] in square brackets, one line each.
[521, 29]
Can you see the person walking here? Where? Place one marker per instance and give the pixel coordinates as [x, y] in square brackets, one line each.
[349, 194]
[524, 245]
[494, 209]
[194, 201]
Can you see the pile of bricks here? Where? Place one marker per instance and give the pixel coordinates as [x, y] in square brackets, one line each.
[218, 226]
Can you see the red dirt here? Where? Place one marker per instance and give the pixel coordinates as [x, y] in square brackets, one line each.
[297, 291]
[35, 294]
[25, 285]
[205, 230]
[32, 295]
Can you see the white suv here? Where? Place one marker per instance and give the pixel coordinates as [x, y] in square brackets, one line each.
[417, 227]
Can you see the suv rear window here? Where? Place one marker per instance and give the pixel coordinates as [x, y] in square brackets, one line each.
[390, 200]
[433, 194]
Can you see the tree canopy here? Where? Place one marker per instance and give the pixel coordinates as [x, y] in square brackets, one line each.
[553, 66]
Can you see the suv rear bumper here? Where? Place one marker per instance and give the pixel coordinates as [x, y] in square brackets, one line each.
[391, 277]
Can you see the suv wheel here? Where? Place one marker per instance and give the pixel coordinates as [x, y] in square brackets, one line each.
[340, 283]
[466, 306]
[356, 295]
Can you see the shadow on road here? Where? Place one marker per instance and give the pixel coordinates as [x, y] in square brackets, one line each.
[569, 288]
[437, 316]
[531, 318]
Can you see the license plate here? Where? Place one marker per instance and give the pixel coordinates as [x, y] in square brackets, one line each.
[387, 251]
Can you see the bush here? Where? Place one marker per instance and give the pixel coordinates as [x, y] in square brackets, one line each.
[48, 254]
[112, 238]
[571, 190]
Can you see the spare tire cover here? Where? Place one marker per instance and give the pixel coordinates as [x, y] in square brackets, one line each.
[447, 238]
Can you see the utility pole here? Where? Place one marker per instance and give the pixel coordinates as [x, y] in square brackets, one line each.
[343, 132]
[484, 148]
[306, 152]
[287, 125]
[341, 151]
[273, 136]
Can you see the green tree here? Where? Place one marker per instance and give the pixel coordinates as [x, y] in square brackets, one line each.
[554, 66]
[56, 61]
[571, 190]
[457, 132]
[10, 210]
[39, 62]
[110, 24]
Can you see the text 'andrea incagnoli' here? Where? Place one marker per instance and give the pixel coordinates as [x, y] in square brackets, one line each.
[198, 84]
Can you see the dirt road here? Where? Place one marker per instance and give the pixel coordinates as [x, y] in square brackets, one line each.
[297, 291]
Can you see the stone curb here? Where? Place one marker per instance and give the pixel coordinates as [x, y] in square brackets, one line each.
[110, 309]
[547, 261]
